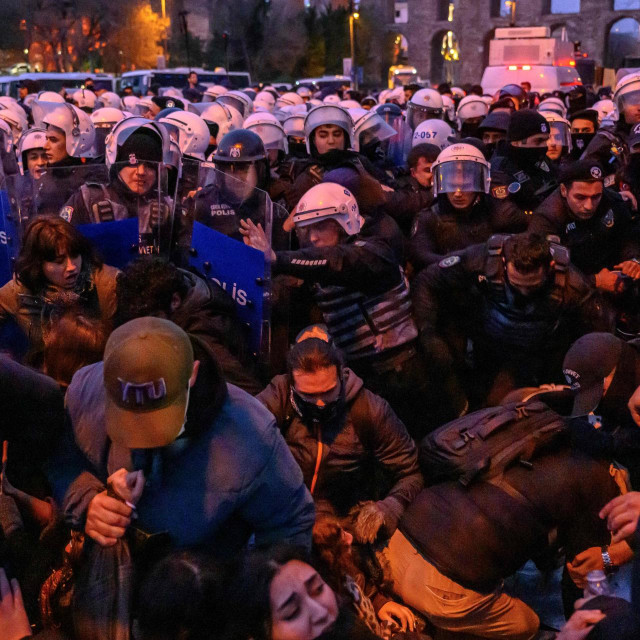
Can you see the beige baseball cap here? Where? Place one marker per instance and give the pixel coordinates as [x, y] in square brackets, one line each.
[147, 366]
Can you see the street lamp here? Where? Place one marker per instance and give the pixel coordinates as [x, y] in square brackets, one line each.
[163, 6]
[352, 18]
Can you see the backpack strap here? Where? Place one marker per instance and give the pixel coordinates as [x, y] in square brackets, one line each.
[561, 259]
[494, 263]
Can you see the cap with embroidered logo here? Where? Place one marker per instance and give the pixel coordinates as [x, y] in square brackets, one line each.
[588, 362]
[148, 363]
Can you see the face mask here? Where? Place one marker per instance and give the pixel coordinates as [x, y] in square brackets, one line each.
[580, 142]
[490, 147]
[528, 156]
[310, 412]
[633, 169]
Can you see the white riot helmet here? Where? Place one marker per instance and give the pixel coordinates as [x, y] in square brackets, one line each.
[11, 103]
[627, 92]
[449, 107]
[332, 98]
[329, 201]
[75, 123]
[109, 99]
[559, 129]
[289, 99]
[328, 114]
[6, 136]
[461, 167]
[219, 118]
[106, 117]
[471, 107]
[264, 102]
[457, 92]
[305, 93]
[213, 93]
[606, 111]
[350, 104]
[435, 132]
[84, 99]
[371, 128]
[125, 128]
[382, 96]
[396, 94]
[50, 96]
[191, 132]
[130, 103]
[553, 104]
[16, 122]
[104, 120]
[31, 139]
[240, 101]
[425, 104]
[143, 105]
[294, 126]
[271, 132]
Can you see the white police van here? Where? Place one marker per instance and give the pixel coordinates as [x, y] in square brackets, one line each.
[530, 54]
[141, 80]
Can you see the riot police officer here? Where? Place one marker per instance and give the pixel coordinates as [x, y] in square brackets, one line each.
[329, 136]
[237, 189]
[594, 223]
[493, 129]
[519, 300]
[461, 215]
[364, 298]
[609, 147]
[584, 125]
[135, 150]
[521, 175]
[70, 137]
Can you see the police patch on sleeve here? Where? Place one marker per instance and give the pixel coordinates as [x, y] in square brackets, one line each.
[449, 261]
[66, 213]
[514, 187]
[499, 192]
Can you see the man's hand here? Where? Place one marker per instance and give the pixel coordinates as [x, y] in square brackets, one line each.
[579, 625]
[398, 614]
[606, 280]
[629, 197]
[588, 560]
[254, 236]
[622, 515]
[630, 268]
[14, 623]
[107, 519]
[127, 485]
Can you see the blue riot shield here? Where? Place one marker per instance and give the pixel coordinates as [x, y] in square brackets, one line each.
[211, 222]
[125, 210]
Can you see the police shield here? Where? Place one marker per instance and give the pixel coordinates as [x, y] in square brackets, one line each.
[210, 233]
[125, 210]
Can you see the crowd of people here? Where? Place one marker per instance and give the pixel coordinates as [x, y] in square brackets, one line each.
[443, 384]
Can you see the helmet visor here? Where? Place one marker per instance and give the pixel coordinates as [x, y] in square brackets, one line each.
[232, 101]
[417, 114]
[272, 137]
[374, 130]
[631, 99]
[560, 134]
[460, 176]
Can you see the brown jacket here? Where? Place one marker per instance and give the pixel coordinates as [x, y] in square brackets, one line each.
[29, 310]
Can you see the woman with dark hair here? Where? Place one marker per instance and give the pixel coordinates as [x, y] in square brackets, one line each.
[277, 595]
[180, 599]
[57, 268]
[358, 578]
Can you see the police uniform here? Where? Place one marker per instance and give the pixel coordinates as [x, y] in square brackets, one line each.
[610, 236]
[406, 201]
[518, 191]
[523, 335]
[610, 149]
[96, 203]
[364, 298]
[441, 230]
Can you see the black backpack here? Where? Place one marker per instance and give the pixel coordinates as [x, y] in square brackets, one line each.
[483, 444]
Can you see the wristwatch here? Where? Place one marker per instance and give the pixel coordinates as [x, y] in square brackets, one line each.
[609, 567]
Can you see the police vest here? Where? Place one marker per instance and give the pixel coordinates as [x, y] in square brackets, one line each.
[363, 325]
[521, 327]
